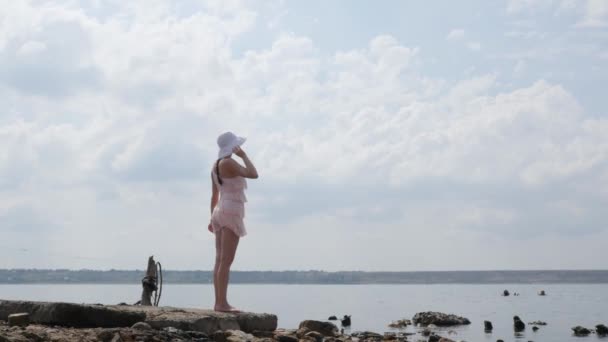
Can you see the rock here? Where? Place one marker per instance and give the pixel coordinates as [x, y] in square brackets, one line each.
[426, 332]
[116, 338]
[535, 328]
[325, 328]
[518, 325]
[19, 319]
[581, 331]
[439, 319]
[238, 336]
[505, 293]
[487, 326]
[437, 338]
[286, 338]
[332, 318]
[263, 334]
[345, 321]
[317, 336]
[367, 335]
[301, 332]
[402, 323]
[538, 323]
[141, 326]
[86, 315]
[445, 339]
[500, 341]
[542, 293]
[601, 330]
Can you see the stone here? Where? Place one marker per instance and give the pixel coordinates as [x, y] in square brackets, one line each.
[116, 338]
[19, 319]
[367, 335]
[581, 331]
[346, 321]
[332, 318]
[141, 326]
[439, 319]
[535, 328]
[286, 338]
[487, 326]
[542, 293]
[500, 341]
[518, 325]
[505, 293]
[87, 315]
[538, 323]
[325, 328]
[399, 324]
[238, 336]
[601, 330]
[317, 336]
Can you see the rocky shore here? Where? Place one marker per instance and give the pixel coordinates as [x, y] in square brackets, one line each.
[23, 321]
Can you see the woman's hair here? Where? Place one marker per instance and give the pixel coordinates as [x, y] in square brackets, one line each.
[217, 171]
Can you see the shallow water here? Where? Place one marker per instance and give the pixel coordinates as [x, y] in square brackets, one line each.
[374, 306]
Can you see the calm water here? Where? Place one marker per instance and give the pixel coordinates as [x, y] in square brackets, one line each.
[374, 306]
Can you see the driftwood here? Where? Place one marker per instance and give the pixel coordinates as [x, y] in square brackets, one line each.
[150, 283]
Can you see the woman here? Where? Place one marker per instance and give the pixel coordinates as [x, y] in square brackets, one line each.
[227, 211]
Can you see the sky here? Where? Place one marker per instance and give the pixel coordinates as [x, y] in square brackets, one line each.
[389, 136]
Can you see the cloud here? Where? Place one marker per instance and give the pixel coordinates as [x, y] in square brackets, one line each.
[112, 110]
[455, 34]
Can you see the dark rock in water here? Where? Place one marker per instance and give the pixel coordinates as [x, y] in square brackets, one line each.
[535, 328]
[437, 338]
[487, 326]
[439, 319]
[542, 293]
[518, 325]
[505, 293]
[538, 323]
[500, 341]
[345, 321]
[325, 328]
[425, 332]
[601, 329]
[332, 318]
[581, 331]
[367, 335]
[399, 324]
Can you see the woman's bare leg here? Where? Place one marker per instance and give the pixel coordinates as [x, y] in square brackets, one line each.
[229, 242]
[218, 253]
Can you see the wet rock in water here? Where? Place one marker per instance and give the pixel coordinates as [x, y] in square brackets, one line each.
[437, 338]
[500, 341]
[367, 335]
[345, 321]
[601, 330]
[19, 319]
[332, 318]
[487, 326]
[535, 328]
[581, 331]
[325, 328]
[518, 325]
[390, 336]
[505, 293]
[538, 323]
[439, 319]
[402, 323]
[426, 332]
[141, 326]
[542, 293]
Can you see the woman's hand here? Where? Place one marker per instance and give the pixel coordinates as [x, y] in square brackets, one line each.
[239, 152]
[210, 227]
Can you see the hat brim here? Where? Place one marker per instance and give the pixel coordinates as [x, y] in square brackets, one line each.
[226, 151]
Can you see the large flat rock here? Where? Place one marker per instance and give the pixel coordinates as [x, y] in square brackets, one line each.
[96, 315]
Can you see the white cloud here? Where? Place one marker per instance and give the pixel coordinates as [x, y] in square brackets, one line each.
[122, 151]
[455, 34]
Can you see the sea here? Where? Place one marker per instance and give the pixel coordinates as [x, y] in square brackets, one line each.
[373, 307]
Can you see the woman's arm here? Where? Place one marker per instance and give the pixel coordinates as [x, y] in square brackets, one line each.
[230, 168]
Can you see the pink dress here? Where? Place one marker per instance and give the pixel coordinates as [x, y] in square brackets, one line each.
[230, 209]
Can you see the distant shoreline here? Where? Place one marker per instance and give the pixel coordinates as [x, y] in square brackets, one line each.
[62, 276]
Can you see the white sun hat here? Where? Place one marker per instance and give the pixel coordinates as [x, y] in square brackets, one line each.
[227, 142]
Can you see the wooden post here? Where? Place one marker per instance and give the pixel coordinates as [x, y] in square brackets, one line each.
[149, 282]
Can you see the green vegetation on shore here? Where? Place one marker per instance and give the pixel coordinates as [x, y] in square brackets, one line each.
[64, 276]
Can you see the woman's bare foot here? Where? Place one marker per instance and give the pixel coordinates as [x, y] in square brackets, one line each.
[226, 308]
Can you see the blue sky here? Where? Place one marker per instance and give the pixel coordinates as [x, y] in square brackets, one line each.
[393, 135]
